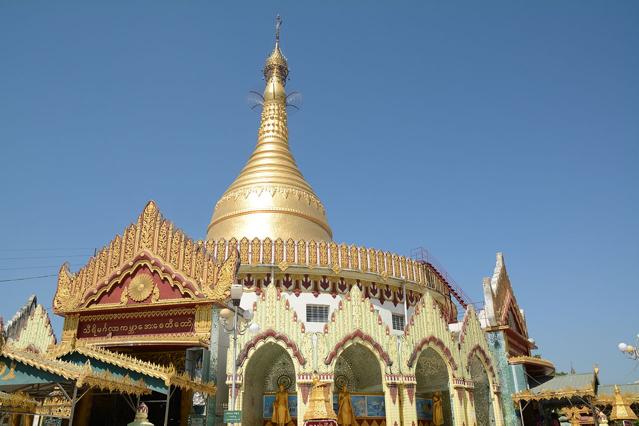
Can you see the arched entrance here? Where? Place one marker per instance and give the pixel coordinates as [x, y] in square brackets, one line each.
[483, 401]
[358, 368]
[267, 368]
[431, 373]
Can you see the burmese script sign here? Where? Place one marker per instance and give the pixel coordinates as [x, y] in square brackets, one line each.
[176, 321]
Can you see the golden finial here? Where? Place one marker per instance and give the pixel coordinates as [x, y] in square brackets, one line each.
[276, 66]
[278, 25]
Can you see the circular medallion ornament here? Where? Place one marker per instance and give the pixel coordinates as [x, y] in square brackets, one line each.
[340, 382]
[285, 381]
[140, 287]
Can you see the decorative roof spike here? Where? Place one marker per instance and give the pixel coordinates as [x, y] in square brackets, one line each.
[621, 410]
[276, 66]
[259, 202]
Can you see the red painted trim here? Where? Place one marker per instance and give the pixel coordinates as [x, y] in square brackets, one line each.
[358, 334]
[485, 358]
[427, 341]
[251, 344]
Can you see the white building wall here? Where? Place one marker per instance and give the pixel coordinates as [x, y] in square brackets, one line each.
[298, 303]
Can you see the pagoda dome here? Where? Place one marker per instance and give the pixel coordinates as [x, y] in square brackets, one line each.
[270, 198]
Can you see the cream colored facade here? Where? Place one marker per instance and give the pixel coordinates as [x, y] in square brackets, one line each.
[289, 262]
[357, 322]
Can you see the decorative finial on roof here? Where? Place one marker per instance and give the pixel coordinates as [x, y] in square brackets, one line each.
[278, 25]
[276, 66]
[621, 409]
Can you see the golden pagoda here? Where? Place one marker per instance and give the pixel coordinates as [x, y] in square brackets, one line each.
[270, 197]
[620, 408]
[319, 406]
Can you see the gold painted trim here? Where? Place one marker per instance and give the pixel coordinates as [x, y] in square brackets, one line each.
[531, 360]
[149, 339]
[280, 211]
[568, 392]
[138, 314]
[120, 276]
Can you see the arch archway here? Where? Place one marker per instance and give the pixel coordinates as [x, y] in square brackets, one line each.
[359, 369]
[483, 401]
[433, 380]
[268, 367]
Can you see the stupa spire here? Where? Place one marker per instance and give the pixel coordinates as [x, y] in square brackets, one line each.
[270, 197]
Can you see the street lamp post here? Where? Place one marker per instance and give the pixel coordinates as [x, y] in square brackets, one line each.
[631, 351]
[235, 328]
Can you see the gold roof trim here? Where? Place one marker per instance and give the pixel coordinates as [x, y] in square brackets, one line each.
[105, 380]
[168, 374]
[336, 258]
[531, 360]
[17, 400]
[184, 381]
[270, 197]
[60, 368]
[82, 375]
[110, 357]
[568, 392]
[155, 235]
[630, 397]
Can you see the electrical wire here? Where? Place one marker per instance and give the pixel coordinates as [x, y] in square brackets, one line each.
[16, 268]
[45, 257]
[8, 280]
[50, 249]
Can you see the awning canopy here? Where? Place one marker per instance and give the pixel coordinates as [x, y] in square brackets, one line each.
[32, 383]
[562, 387]
[156, 377]
[21, 369]
[534, 366]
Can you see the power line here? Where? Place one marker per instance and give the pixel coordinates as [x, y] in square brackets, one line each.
[30, 267]
[49, 249]
[26, 278]
[45, 257]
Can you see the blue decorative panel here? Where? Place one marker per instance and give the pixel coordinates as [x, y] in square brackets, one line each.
[424, 409]
[269, 400]
[375, 406]
[359, 405]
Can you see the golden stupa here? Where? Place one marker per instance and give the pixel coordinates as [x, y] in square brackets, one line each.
[621, 410]
[319, 406]
[270, 197]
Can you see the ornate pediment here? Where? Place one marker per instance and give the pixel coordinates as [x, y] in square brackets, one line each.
[151, 262]
[30, 328]
[500, 302]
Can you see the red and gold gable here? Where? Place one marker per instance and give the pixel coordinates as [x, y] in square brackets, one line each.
[151, 264]
[144, 283]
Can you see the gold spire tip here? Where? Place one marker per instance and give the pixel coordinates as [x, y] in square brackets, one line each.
[278, 25]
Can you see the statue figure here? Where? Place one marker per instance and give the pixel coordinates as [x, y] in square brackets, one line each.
[345, 411]
[281, 416]
[199, 399]
[438, 409]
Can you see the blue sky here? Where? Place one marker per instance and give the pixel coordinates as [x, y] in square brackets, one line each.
[465, 128]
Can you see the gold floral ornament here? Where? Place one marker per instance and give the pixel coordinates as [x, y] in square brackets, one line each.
[140, 287]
